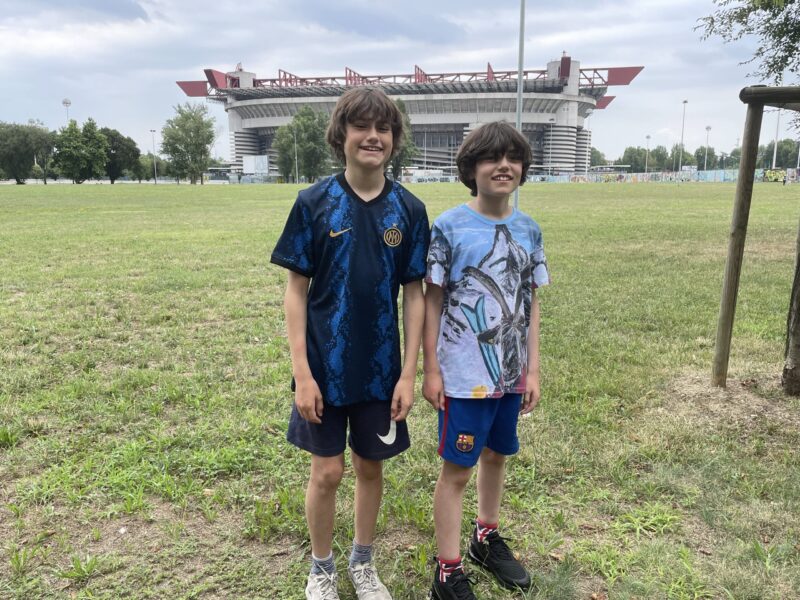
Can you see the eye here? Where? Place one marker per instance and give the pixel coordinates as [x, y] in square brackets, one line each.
[384, 128]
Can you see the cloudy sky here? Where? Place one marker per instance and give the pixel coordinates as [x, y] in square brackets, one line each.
[118, 60]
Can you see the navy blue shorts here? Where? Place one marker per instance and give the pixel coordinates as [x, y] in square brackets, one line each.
[468, 425]
[373, 434]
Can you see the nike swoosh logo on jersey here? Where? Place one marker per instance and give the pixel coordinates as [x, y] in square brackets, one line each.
[338, 233]
[390, 437]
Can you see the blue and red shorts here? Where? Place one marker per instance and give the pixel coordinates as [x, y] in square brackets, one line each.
[468, 425]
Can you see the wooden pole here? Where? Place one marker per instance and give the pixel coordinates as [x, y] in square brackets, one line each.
[733, 266]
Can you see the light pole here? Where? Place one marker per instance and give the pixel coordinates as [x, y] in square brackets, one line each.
[155, 170]
[775, 149]
[647, 155]
[705, 161]
[683, 123]
[296, 175]
[66, 103]
[519, 81]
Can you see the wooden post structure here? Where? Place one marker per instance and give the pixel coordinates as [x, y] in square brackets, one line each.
[733, 266]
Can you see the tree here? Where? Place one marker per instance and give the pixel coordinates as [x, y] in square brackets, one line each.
[122, 153]
[658, 159]
[81, 153]
[284, 145]
[16, 151]
[44, 142]
[187, 139]
[408, 150]
[675, 155]
[634, 157]
[305, 138]
[700, 158]
[597, 158]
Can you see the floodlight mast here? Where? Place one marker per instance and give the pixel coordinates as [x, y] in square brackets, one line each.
[519, 81]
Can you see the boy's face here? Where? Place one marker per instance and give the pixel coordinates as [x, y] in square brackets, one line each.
[367, 145]
[498, 178]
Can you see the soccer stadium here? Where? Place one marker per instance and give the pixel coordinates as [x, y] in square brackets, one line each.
[442, 108]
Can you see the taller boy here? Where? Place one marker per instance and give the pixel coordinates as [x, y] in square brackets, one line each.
[481, 348]
[355, 238]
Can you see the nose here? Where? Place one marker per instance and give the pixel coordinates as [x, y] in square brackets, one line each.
[504, 164]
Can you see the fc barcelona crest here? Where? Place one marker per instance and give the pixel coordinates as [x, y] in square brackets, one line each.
[465, 442]
[393, 236]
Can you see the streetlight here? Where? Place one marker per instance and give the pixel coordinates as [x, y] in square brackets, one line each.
[705, 162]
[66, 103]
[296, 176]
[683, 122]
[647, 156]
[519, 82]
[775, 149]
[155, 169]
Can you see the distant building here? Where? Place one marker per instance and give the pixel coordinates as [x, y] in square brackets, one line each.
[442, 108]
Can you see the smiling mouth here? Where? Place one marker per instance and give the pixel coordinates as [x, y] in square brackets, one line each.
[372, 148]
[502, 178]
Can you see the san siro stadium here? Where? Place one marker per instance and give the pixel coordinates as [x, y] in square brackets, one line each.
[442, 108]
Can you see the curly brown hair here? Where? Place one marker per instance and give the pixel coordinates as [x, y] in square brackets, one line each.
[364, 104]
[490, 142]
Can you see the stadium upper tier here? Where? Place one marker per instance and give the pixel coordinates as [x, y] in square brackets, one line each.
[442, 107]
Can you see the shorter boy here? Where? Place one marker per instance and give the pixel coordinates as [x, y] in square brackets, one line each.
[481, 349]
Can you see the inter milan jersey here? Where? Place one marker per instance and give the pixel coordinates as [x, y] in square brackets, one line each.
[357, 255]
[488, 270]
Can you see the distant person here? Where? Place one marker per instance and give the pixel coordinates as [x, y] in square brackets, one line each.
[481, 349]
[784, 179]
[349, 243]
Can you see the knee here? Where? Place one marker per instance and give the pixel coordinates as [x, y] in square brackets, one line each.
[327, 476]
[367, 470]
[490, 458]
[455, 476]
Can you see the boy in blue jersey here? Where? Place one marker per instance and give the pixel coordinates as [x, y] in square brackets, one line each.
[349, 243]
[481, 349]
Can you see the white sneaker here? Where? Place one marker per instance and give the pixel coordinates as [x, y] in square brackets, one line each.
[365, 580]
[322, 586]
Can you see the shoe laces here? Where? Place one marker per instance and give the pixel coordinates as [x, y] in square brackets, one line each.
[365, 577]
[499, 548]
[327, 586]
[460, 583]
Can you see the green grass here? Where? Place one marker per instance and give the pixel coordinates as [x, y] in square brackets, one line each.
[144, 395]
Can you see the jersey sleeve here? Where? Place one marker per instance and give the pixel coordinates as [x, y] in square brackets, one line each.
[295, 247]
[540, 272]
[418, 251]
[439, 258]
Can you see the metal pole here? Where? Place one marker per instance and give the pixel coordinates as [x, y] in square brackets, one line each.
[733, 265]
[647, 155]
[296, 175]
[705, 162]
[519, 81]
[683, 122]
[775, 149]
[155, 169]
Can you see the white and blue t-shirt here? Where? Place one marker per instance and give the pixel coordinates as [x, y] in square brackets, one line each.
[488, 270]
[357, 254]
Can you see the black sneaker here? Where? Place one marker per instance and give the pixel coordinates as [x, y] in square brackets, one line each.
[495, 555]
[457, 587]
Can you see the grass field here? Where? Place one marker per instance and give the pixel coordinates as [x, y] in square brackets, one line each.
[144, 395]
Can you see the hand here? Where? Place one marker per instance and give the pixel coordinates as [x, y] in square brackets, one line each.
[433, 389]
[532, 394]
[402, 399]
[308, 399]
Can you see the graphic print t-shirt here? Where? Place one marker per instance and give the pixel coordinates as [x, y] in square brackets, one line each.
[488, 270]
[357, 255]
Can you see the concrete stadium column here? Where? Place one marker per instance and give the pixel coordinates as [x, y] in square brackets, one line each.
[583, 150]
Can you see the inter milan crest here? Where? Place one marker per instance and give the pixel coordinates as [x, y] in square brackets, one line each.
[393, 236]
[465, 442]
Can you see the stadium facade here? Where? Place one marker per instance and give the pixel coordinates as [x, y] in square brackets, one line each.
[442, 108]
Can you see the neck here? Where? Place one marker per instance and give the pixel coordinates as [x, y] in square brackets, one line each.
[368, 185]
[492, 207]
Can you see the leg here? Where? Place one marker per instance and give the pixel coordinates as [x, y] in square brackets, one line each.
[491, 476]
[368, 494]
[326, 474]
[447, 508]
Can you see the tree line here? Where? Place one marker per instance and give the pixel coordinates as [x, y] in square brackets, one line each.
[81, 153]
[703, 158]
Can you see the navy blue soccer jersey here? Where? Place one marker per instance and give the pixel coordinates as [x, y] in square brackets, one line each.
[357, 255]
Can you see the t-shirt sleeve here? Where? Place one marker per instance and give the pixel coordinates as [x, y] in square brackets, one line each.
[420, 238]
[540, 272]
[295, 247]
[439, 258]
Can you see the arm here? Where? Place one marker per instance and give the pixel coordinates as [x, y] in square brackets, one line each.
[432, 384]
[413, 317]
[307, 396]
[532, 392]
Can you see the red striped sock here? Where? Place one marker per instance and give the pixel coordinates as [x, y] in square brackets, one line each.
[483, 529]
[448, 567]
